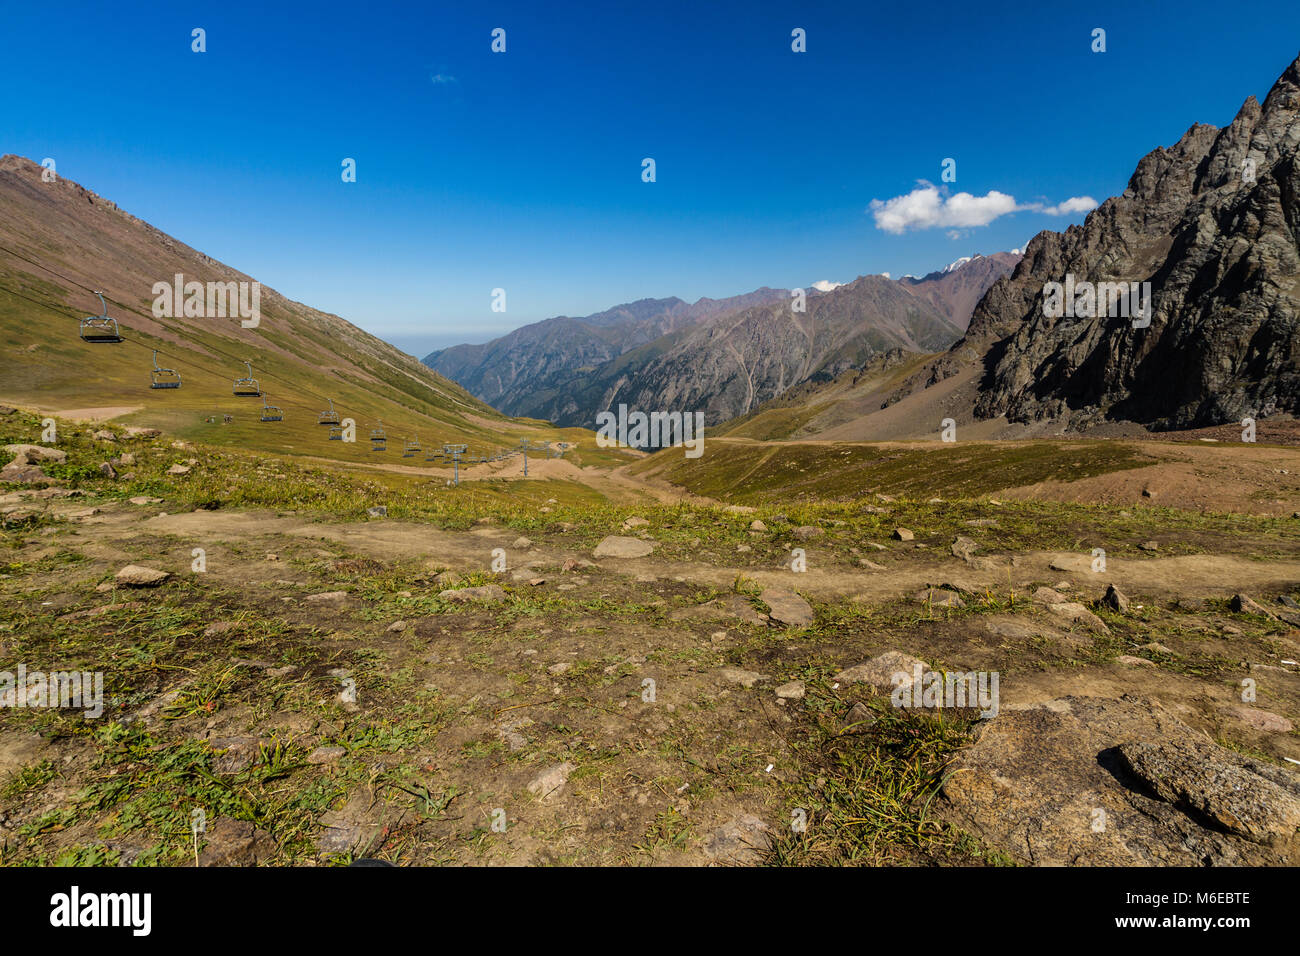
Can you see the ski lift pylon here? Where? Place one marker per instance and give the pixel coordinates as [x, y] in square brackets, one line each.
[100, 329]
[163, 377]
[248, 386]
[328, 418]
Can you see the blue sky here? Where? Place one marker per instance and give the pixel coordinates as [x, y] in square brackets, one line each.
[522, 170]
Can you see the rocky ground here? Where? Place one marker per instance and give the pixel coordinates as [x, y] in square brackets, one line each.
[522, 673]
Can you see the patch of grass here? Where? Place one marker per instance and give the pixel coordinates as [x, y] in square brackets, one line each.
[867, 785]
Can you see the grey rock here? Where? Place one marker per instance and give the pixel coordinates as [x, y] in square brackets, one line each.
[618, 546]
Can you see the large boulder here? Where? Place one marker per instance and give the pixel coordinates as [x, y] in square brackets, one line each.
[1117, 782]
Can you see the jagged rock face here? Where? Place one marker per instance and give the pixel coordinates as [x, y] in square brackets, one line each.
[1222, 255]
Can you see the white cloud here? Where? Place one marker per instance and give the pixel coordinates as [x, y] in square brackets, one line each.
[443, 79]
[929, 207]
[1070, 206]
[826, 285]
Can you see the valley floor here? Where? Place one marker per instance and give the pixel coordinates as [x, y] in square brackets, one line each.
[649, 681]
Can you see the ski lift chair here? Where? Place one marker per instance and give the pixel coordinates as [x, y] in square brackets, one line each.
[100, 329]
[378, 438]
[336, 433]
[271, 413]
[248, 386]
[411, 447]
[163, 377]
[328, 418]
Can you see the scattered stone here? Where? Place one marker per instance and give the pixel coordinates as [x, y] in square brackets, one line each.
[1159, 649]
[1244, 605]
[937, 597]
[18, 473]
[219, 628]
[106, 469]
[563, 667]
[634, 522]
[880, 670]
[1149, 546]
[35, 454]
[234, 754]
[1073, 611]
[138, 576]
[787, 608]
[1045, 595]
[486, 592]
[326, 597]
[235, 843]
[397, 627]
[757, 525]
[178, 470]
[549, 784]
[1115, 600]
[740, 841]
[1132, 661]
[806, 532]
[902, 534]
[126, 459]
[358, 825]
[868, 563]
[793, 690]
[379, 511]
[522, 544]
[735, 675]
[617, 546]
[104, 435]
[1262, 719]
[964, 548]
[133, 431]
[323, 755]
[145, 500]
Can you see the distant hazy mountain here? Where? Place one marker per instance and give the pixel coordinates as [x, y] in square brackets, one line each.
[509, 371]
[728, 364]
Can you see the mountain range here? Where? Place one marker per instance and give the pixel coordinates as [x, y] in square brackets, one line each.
[719, 356]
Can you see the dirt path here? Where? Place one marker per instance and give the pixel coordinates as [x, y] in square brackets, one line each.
[1197, 576]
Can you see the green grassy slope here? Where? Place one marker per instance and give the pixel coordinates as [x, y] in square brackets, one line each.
[58, 241]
